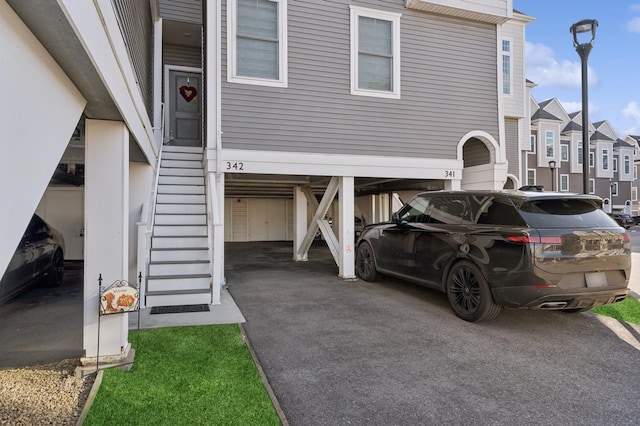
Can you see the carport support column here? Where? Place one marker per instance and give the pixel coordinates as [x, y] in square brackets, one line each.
[346, 232]
[299, 222]
[106, 235]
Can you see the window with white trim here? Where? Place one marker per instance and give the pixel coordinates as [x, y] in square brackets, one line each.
[634, 193]
[506, 67]
[592, 186]
[627, 164]
[635, 173]
[614, 188]
[592, 159]
[531, 176]
[605, 159]
[579, 151]
[615, 163]
[257, 42]
[532, 143]
[564, 152]
[375, 53]
[548, 142]
[564, 183]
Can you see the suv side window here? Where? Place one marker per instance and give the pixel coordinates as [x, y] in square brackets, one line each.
[499, 212]
[450, 210]
[415, 210]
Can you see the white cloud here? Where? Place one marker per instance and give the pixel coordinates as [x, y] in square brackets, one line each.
[544, 70]
[635, 7]
[634, 25]
[632, 112]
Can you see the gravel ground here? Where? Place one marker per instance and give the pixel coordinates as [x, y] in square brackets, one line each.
[45, 394]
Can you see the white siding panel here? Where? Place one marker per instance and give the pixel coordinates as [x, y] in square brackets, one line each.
[512, 146]
[449, 88]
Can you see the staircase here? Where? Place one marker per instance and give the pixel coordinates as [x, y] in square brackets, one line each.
[179, 268]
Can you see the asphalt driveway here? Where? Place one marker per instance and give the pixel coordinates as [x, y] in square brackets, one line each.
[392, 353]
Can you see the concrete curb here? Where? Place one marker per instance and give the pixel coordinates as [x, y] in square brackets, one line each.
[265, 382]
[90, 398]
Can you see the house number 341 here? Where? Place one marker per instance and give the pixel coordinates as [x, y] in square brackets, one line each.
[449, 173]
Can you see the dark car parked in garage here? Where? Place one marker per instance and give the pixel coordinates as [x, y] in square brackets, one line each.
[494, 249]
[39, 258]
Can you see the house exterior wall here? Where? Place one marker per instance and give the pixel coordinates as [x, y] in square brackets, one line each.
[443, 97]
[514, 103]
[181, 10]
[187, 56]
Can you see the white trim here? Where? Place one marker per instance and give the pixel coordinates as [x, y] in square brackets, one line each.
[167, 96]
[394, 18]
[314, 164]
[283, 75]
[564, 148]
[535, 176]
[158, 121]
[546, 144]
[494, 148]
[532, 143]
[592, 184]
[614, 189]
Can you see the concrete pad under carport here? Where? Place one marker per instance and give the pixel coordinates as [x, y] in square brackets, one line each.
[340, 352]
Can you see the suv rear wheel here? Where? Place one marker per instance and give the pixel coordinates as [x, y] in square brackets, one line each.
[469, 293]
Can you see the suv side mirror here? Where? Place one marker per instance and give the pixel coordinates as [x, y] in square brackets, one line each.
[395, 217]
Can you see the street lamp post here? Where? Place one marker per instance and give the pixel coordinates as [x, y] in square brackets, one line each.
[583, 49]
[552, 167]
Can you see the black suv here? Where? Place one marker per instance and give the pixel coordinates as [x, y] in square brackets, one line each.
[494, 249]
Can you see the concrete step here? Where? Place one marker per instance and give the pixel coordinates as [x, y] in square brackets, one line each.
[181, 208]
[181, 199]
[181, 180]
[176, 284]
[177, 148]
[177, 171]
[180, 230]
[172, 299]
[179, 242]
[174, 255]
[179, 269]
[194, 156]
[181, 219]
[181, 189]
[182, 164]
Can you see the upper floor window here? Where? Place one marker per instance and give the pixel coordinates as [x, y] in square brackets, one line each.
[257, 42]
[615, 164]
[531, 177]
[564, 152]
[548, 141]
[532, 143]
[627, 164]
[592, 186]
[375, 53]
[605, 159]
[506, 67]
[592, 159]
[580, 151]
[564, 183]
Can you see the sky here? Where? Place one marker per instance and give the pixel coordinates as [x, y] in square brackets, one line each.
[614, 63]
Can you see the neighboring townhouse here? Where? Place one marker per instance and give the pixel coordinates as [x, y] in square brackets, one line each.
[635, 203]
[193, 123]
[554, 158]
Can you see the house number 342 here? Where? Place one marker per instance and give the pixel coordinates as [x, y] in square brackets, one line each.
[234, 165]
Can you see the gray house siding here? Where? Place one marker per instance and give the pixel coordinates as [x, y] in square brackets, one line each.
[511, 144]
[186, 56]
[134, 19]
[182, 10]
[448, 88]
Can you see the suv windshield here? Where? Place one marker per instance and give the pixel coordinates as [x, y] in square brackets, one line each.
[564, 213]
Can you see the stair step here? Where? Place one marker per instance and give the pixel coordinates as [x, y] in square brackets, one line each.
[181, 208]
[181, 180]
[180, 230]
[183, 164]
[177, 148]
[180, 268]
[181, 189]
[192, 156]
[181, 199]
[172, 299]
[181, 219]
[179, 242]
[177, 171]
[169, 255]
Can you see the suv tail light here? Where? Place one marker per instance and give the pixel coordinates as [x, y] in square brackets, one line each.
[525, 239]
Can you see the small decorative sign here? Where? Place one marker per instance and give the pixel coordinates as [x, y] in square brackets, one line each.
[188, 92]
[119, 297]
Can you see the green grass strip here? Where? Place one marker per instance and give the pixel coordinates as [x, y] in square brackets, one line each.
[628, 310]
[185, 376]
